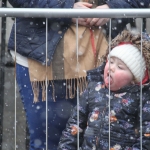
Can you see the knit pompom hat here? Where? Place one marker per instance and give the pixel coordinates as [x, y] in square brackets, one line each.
[132, 57]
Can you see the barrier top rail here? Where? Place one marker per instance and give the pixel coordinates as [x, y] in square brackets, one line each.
[74, 13]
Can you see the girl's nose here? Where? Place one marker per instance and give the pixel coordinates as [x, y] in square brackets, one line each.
[112, 68]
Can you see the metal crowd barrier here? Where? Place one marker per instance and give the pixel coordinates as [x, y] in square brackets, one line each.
[74, 13]
[66, 13]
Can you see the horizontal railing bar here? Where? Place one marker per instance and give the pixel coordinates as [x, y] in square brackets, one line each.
[74, 13]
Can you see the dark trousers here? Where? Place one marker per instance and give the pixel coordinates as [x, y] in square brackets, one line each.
[58, 112]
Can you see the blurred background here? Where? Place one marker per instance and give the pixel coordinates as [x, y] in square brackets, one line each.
[7, 94]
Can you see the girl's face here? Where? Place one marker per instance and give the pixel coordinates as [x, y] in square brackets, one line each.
[119, 74]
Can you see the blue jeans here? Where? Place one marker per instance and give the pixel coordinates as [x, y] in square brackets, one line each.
[58, 112]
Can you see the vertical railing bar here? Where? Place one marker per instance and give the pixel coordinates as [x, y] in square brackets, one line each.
[15, 87]
[141, 90]
[2, 72]
[77, 50]
[109, 78]
[46, 86]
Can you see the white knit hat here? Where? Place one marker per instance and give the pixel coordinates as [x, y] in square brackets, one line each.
[131, 56]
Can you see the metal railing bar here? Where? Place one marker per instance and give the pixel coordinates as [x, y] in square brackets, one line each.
[77, 51]
[109, 40]
[74, 13]
[46, 85]
[2, 72]
[15, 124]
[141, 94]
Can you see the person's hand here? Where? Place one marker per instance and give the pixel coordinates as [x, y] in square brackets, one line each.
[81, 5]
[98, 21]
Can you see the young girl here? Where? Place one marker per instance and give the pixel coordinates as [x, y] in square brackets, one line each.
[122, 73]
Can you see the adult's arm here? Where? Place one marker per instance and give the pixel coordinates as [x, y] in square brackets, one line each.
[70, 4]
[117, 24]
[45, 4]
[128, 3]
[114, 4]
[42, 3]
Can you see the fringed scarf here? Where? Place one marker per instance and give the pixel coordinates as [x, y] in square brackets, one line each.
[67, 63]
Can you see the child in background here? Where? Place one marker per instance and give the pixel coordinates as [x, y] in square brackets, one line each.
[122, 73]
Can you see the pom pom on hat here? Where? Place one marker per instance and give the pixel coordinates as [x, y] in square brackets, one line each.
[131, 56]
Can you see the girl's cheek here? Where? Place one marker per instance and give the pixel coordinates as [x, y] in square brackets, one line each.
[122, 79]
[118, 76]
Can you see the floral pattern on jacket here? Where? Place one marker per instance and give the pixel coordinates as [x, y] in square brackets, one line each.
[94, 117]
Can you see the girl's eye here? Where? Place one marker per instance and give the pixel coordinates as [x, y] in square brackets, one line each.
[111, 60]
[120, 67]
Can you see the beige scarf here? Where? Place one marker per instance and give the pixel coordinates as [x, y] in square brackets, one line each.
[69, 64]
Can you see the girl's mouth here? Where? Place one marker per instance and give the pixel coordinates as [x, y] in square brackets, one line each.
[108, 79]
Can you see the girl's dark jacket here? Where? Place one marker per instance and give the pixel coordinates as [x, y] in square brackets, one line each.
[31, 32]
[94, 118]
